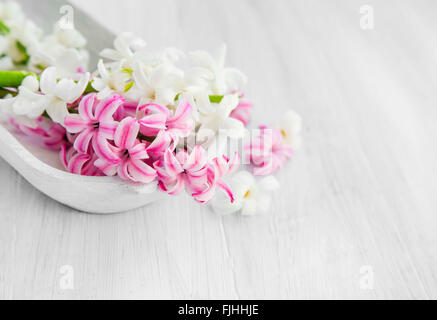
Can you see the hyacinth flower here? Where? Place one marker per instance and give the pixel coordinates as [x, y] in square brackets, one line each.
[242, 112]
[250, 196]
[52, 134]
[79, 163]
[190, 171]
[126, 156]
[159, 118]
[273, 147]
[94, 123]
[267, 151]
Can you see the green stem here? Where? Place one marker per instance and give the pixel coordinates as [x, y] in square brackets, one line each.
[13, 79]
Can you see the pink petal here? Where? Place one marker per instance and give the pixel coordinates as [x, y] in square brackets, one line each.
[225, 187]
[83, 140]
[107, 129]
[108, 168]
[63, 156]
[177, 187]
[159, 145]
[138, 152]
[77, 161]
[122, 171]
[141, 172]
[104, 149]
[126, 133]
[171, 164]
[154, 108]
[74, 123]
[86, 106]
[196, 160]
[155, 121]
[234, 164]
[183, 111]
[106, 108]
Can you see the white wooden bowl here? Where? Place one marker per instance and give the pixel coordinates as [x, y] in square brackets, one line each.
[43, 169]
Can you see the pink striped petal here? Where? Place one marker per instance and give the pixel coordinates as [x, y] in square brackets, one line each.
[155, 121]
[108, 168]
[227, 189]
[234, 164]
[159, 145]
[74, 123]
[86, 106]
[196, 160]
[183, 111]
[141, 172]
[177, 187]
[104, 149]
[122, 171]
[171, 164]
[155, 109]
[107, 107]
[63, 156]
[107, 129]
[126, 133]
[138, 152]
[77, 162]
[83, 140]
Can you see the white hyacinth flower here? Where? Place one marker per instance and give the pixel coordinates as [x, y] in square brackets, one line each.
[290, 127]
[220, 79]
[110, 81]
[126, 45]
[57, 93]
[214, 118]
[158, 84]
[251, 197]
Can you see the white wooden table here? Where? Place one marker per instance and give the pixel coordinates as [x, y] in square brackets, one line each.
[358, 202]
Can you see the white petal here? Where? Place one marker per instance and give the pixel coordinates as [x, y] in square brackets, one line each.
[233, 128]
[268, 183]
[57, 110]
[48, 80]
[31, 83]
[250, 208]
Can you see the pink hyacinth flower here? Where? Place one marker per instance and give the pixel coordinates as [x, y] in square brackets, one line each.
[94, 122]
[126, 157]
[52, 134]
[267, 153]
[190, 171]
[157, 118]
[242, 112]
[79, 163]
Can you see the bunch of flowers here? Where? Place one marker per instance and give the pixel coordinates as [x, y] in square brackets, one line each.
[161, 118]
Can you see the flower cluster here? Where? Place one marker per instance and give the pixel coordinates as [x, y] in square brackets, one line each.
[24, 46]
[146, 117]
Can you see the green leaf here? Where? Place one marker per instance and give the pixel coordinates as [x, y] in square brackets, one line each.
[127, 70]
[4, 29]
[89, 88]
[128, 86]
[13, 79]
[23, 50]
[215, 98]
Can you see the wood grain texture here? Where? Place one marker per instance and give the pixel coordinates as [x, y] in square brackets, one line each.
[360, 192]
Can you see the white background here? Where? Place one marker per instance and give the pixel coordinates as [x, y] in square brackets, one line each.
[361, 192]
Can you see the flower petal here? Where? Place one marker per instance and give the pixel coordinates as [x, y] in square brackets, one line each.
[86, 106]
[171, 164]
[196, 160]
[75, 123]
[104, 149]
[126, 133]
[83, 140]
[106, 108]
[141, 172]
